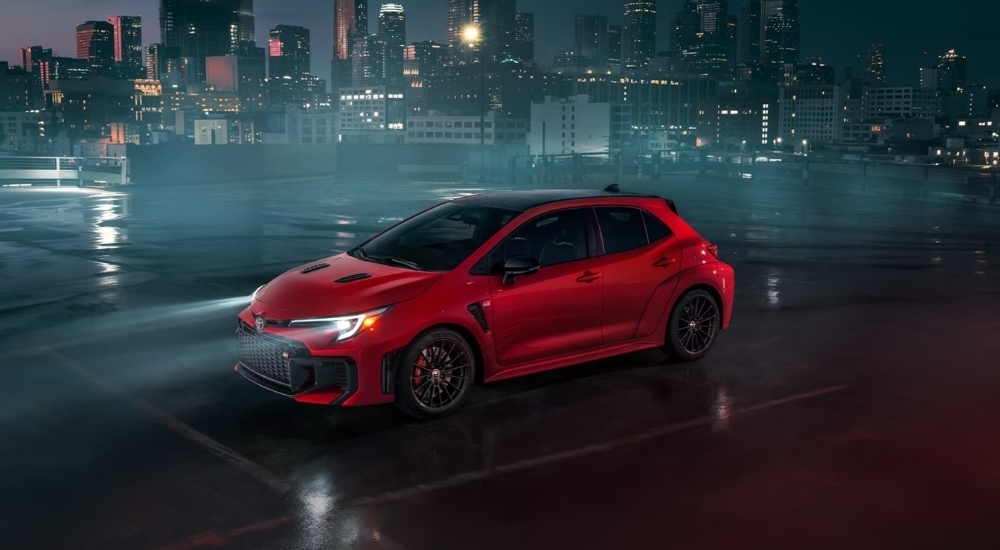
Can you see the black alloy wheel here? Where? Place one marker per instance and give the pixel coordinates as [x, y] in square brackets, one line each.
[434, 374]
[693, 327]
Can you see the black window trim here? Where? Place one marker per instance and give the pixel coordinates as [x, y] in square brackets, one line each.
[595, 247]
[600, 232]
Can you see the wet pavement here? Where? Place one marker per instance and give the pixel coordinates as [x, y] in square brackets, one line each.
[851, 404]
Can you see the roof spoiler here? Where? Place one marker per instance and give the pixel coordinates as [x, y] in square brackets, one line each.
[673, 207]
[613, 188]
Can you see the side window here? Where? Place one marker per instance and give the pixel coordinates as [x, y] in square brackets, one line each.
[622, 228]
[553, 238]
[656, 229]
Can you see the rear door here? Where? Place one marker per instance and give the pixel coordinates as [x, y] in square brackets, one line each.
[641, 260]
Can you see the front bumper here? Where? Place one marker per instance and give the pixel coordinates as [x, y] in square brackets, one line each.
[286, 366]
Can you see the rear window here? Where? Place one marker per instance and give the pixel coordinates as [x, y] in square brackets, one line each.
[622, 228]
[655, 229]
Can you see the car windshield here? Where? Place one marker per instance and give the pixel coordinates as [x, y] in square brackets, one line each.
[436, 240]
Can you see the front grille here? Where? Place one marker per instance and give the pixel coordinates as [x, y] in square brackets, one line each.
[267, 355]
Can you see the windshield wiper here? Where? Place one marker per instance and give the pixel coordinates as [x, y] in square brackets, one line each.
[400, 262]
[385, 260]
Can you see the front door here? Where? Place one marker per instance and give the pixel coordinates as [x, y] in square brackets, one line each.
[556, 310]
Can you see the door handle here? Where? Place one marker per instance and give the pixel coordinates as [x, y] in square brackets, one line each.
[665, 262]
[588, 277]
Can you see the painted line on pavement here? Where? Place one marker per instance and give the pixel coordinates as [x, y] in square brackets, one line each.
[641, 437]
[269, 479]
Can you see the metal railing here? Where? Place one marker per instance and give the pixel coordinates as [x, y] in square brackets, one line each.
[58, 171]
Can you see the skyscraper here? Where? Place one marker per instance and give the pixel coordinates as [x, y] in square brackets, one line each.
[460, 14]
[128, 45]
[350, 20]
[288, 52]
[524, 38]
[155, 61]
[95, 42]
[246, 27]
[875, 66]
[498, 24]
[639, 33]
[392, 31]
[703, 38]
[591, 39]
[615, 45]
[38, 61]
[192, 30]
[951, 71]
[771, 35]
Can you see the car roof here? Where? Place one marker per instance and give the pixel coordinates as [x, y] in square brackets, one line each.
[520, 201]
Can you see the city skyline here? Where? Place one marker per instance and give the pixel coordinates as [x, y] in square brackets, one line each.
[907, 35]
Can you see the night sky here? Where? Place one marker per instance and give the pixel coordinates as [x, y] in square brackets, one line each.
[836, 30]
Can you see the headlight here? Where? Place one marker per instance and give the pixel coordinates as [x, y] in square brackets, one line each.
[254, 295]
[346, 326]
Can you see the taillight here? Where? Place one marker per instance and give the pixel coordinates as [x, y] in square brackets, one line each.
[713, 250]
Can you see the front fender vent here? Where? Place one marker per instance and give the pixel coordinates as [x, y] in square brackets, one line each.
[355, 277]
[315, 267]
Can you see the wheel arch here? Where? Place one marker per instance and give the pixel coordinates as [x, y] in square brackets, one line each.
[714, 292]
[470, 338]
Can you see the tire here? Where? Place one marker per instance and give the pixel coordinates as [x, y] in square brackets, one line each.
[435, 374]
[693, 326]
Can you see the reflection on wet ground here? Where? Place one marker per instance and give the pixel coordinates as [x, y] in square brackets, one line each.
[863, 346]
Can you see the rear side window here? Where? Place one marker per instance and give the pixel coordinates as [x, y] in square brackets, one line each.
[622, 228]
[656, 229]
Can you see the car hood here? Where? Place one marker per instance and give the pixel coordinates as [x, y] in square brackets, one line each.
[345, 285]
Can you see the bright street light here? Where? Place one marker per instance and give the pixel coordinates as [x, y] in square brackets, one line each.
[471, 34]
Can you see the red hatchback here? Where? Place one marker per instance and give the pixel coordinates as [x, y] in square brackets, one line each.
[485, 288]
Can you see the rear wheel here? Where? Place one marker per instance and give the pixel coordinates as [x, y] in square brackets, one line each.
[434, 374]
[694, 324]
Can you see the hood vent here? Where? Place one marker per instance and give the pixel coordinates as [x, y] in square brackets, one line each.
[316, 267]
[355, 277]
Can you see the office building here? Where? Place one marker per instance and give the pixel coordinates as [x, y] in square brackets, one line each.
[95, 43]
[811, 114]
[371, 115]
[875, 66]
[524, 38]
[639, 33]
[951, 71]
[704, 38]
[128, 46]
[192, 30]
[350, 20]
[591, 39]
[464, 130]
[19, 89]
[771, 36]
[288, 52]
[392, 31]
[569, 125]
[614, 45]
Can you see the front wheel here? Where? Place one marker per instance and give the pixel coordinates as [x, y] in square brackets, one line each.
[434, 374]
[694, 324]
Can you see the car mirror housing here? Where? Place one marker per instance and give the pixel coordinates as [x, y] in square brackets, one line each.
[518, 265]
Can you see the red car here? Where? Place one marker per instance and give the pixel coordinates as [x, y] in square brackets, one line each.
[485, 288]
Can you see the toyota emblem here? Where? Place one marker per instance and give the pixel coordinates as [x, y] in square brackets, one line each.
[259, 323]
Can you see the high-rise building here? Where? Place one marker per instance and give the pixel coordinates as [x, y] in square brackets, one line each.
[498, 24]
[614, 45]
[591, 39]
[771, 35]
[460, 14]
[951, 71]
[875, 66]
[350, 20]
[38, 61]
[128, 45]
[639, 33]
[192, 30]
[95, 43]
[703, 38]
[155, 61]
[288, 52]
[246, 27]
[524, 38]
[392, 31]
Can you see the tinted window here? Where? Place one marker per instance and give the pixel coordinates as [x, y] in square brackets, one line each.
[438, 239]
[622, 228]
[655, 228]
[552, 238]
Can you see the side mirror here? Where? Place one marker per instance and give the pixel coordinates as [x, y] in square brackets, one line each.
[518, 265]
